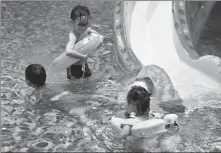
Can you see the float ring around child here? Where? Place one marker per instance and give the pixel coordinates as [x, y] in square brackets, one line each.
[149, 127]
[84, 46]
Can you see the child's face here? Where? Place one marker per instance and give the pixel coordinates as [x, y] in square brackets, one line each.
[81, 24]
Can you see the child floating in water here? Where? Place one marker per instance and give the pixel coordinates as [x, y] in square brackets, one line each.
[35, 76]
[80, 22]
[137, 107]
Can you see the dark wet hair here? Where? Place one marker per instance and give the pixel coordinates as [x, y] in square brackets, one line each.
[141, 96]
[36, 74]
[80, 11]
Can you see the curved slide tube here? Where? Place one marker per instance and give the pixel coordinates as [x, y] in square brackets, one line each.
[157, 33]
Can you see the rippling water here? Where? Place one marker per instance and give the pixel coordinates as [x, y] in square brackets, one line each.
[36, 32]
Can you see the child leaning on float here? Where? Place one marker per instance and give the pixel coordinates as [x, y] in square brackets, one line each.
[137, 119]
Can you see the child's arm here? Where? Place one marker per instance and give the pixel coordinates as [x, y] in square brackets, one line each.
[125, 131]
[123, 124]
[126, 126]
[70, 48]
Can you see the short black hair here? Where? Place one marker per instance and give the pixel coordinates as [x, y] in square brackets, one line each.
[36, 74]
[80, 11]
[142, 97]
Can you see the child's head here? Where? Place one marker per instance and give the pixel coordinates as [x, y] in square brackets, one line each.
[138, 97]
[80, 16]
[35, 75]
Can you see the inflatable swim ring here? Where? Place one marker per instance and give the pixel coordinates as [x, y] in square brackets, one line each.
[84, 46]
[146, 128]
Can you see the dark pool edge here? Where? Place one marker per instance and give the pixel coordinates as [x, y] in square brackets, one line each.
[124, 54]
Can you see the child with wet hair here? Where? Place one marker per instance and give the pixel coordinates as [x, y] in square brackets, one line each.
[35, 75]
[137, 104]
[80, 24]
[137, 109]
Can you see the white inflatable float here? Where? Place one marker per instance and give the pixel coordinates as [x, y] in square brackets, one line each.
[84, 46]
[148, 128]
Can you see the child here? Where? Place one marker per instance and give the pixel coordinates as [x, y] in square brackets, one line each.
[138, 104]
[80, 21]
[35, 76]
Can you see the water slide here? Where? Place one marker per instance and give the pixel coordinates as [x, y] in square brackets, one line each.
[165, 33]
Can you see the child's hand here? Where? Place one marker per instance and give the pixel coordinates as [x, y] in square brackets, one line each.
[84, 60]
[124, 132]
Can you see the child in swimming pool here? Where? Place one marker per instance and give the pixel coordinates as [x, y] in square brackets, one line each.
[35, 76]
[137, 104]
[80, 22]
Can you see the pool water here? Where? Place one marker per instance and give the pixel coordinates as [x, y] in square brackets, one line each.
[37, 32]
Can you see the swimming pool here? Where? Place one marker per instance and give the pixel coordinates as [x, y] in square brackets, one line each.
[36, 32]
